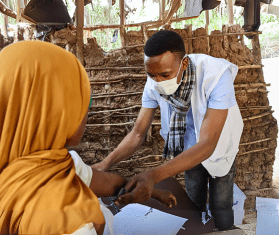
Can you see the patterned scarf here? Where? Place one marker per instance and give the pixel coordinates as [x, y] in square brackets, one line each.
[181, 103]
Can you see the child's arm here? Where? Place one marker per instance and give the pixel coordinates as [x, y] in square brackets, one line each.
[165, 197]
[105, 184]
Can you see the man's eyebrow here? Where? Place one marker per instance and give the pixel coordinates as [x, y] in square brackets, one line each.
[165, 73]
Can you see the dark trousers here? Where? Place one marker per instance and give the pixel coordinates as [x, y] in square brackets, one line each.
[220, 194]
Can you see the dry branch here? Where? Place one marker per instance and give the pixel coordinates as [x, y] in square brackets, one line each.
[258, 116]
[151, 164]
[261, 124]
[105, 82]
[257, 141]
[119, 78]
[252, 66]
[118, 124]
[252, 85]
[116, 95]
[122, 76]
[113, 93]
[7, 11]
[116, 110]
[139, 159]
[254, 107]
[108, 107]
[113, 68]
[252, 90]
[142, 158]
[254, 151]
[110, 124]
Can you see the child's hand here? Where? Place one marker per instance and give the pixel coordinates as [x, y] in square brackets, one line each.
[165, 197]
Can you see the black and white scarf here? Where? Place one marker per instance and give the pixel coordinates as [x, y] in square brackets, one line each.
[180, 101]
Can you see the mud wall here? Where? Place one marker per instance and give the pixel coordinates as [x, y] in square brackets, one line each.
[117, 80]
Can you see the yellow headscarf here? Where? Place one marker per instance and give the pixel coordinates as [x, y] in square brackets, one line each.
[44, 95]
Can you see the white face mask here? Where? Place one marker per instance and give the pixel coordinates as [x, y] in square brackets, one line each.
[170, 86]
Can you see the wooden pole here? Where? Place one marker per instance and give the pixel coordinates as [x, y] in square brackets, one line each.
[80, 23]
[5, 24]
[122, 15]
[18, 11]
[122, 23]
[20, 7]
[207, 20]
[230, 12]
[162, 4]
[145, 33]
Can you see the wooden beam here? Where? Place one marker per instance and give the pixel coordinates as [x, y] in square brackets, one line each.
[162, 4]
[122, 23]
[7, 11]
[230, 11]
[80, 24]
[147, 23]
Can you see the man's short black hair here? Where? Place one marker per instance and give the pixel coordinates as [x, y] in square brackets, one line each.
[163, 41]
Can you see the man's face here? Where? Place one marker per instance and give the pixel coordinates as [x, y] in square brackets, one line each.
[164, 67]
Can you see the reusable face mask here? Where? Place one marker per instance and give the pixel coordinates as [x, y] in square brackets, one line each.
[170, 86]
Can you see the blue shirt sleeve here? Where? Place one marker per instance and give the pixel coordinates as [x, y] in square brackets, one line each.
[223, 96]
[148, 101]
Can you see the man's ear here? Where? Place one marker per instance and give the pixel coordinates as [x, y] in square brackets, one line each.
[185, 63]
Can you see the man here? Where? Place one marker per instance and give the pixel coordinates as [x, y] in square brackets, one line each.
[201, 124]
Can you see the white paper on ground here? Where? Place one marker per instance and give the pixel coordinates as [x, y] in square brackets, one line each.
[136, 219]
[206, 216]
[267, 216]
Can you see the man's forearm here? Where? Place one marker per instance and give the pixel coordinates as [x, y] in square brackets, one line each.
[184, 161]
[125, 149]
[210, 133]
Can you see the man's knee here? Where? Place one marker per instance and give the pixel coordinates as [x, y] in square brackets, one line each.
[224, 219]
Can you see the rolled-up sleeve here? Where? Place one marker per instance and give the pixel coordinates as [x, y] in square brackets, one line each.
[223, 95]
[148, 99]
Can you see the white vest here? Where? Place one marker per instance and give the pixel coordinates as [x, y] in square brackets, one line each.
[209, 70]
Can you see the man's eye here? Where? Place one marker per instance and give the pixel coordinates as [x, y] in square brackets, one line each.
[165, 76]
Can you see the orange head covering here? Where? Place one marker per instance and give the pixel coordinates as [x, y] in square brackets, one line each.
[44, 95]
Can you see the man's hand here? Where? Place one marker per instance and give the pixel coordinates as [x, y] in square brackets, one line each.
[100, 166]
[139, 189]
[165, 197]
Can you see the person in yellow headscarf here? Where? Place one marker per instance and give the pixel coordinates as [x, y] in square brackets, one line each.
[44, 99]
